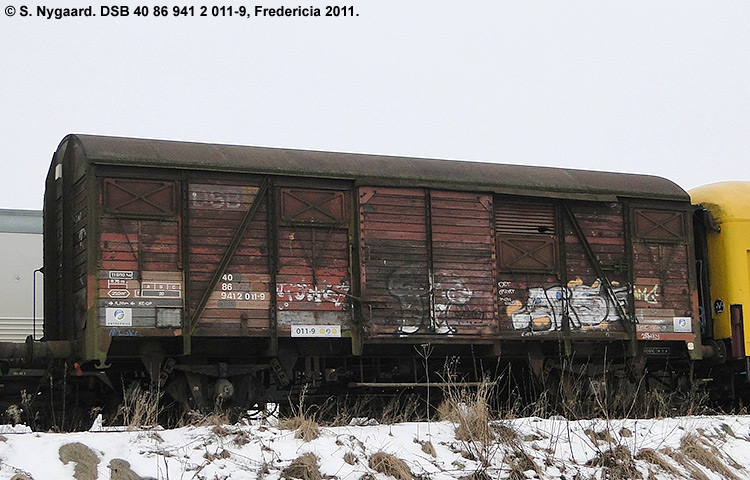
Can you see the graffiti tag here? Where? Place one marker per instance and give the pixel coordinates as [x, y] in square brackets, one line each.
[587, 306]
[305, 292]
[646, 295]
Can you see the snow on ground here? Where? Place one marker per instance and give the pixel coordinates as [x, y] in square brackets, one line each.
[552, 448]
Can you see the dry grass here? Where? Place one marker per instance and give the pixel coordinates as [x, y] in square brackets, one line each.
[653, 457]
[304, 467]
[473, 426]
[242, 438]
[660, 403]
[618, 462]
[505, 433]
[694, 472]
[601, 436]
[479, 475]
[217, 418]
[518, 459]
[470, 412]
[140, 408]
[398, 410]
[223, 454]
[304, 423]
[447, 411]
[580, 390]
[700, 450]
[387, 464]
[428, 448]
[521, 462]
[367, 409]
[305, 428]
[21, 476]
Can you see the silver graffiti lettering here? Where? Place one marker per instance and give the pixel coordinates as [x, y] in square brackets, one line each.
[588, 306]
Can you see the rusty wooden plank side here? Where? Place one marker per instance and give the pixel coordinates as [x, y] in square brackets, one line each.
[144, 244]
[242, 297]
[313, 269]
[123, 196]
[313, 259]
[463, 252]
[140, 282]
[527, 280]
[394, 261]
[662, 290]
[313, 206]
[603, 227]
[570, 296]
[591, 306]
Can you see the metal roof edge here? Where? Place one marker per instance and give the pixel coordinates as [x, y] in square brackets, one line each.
[384, 169]
[20, 221]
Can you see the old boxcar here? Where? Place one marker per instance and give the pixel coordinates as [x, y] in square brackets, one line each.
[238, 271]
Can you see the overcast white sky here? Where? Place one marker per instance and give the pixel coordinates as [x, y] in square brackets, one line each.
[658, 87]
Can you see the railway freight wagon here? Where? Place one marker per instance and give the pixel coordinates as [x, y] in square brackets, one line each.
[724, 250]
[241, 272]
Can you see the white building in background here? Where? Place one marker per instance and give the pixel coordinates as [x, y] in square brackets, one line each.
[20, 255]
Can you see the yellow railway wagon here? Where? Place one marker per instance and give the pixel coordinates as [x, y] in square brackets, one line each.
[728, 242]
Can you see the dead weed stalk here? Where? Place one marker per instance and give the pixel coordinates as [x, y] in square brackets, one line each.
[302, 421]
[140, 408]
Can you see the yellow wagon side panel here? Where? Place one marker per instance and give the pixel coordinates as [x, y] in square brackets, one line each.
[729, 260]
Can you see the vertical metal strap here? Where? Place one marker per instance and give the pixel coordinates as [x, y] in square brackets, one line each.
[595, 263]
[234, 244]
[430, 260]
[273, 269]
[562, 265]
[737, 324]
[356, 254]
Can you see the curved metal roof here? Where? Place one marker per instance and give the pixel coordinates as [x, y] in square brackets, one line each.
[727, 201]
[375, 169]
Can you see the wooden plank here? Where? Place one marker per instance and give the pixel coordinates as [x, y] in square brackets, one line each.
[216, 209]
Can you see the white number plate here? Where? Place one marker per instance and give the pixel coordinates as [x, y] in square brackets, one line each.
[326, 331]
